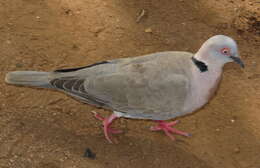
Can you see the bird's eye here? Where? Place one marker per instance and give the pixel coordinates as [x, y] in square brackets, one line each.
[225, 51]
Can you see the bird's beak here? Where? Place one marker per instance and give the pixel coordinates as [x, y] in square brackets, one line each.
[238, 60]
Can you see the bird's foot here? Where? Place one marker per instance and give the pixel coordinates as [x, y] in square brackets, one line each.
[168, 130]
[106, 125]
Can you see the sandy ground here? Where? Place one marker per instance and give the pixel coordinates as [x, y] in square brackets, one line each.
[47, 129]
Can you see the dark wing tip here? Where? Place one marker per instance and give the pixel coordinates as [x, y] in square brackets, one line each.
[79, 68]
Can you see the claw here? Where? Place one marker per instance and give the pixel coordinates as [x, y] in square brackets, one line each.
[106, 125]
[168, 130]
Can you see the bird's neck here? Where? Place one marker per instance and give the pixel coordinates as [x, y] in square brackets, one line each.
[206, 80]
[199, 64]
[203, 86]
[210, 61]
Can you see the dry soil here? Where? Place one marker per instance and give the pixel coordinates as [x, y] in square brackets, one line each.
[46, 129]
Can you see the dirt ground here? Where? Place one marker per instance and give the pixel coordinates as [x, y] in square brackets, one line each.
[46, 129]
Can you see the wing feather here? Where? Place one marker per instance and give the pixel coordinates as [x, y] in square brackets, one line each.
[75, 87]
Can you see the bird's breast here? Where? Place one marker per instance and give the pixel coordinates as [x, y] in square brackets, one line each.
[203, 86]
[213, 89]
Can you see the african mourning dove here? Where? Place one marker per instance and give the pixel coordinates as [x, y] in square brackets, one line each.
[158, 86]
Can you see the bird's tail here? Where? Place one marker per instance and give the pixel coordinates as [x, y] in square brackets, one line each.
[28, 78]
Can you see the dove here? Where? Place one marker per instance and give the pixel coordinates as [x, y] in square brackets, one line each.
[159, 86]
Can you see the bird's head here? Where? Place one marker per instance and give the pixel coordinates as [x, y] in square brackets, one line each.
[219, 50]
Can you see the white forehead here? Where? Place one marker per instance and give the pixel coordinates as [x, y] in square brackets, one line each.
[220, 41]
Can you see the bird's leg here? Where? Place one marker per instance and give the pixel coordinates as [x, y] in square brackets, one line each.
[106, 125]
[167, 129]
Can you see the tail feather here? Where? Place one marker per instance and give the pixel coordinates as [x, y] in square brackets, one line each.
[28, 78]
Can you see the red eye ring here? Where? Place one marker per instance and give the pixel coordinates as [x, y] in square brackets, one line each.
[225, 51]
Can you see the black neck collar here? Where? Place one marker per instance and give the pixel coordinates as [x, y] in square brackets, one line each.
[200, 65]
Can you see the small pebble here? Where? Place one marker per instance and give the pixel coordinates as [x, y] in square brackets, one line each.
[89, 154]
[68, 11]
[18, 65]
[237, 150]
[148, 30]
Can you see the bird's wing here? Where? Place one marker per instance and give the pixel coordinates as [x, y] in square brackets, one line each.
[138, 88]
[141, 96]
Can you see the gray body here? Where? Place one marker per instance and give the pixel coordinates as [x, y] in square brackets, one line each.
[138, 87]
[157, 86]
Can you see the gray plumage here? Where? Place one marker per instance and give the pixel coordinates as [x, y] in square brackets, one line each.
[157, 86]
[137, 87]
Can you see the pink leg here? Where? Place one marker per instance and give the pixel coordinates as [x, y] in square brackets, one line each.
[106, 124]
[168, 130]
